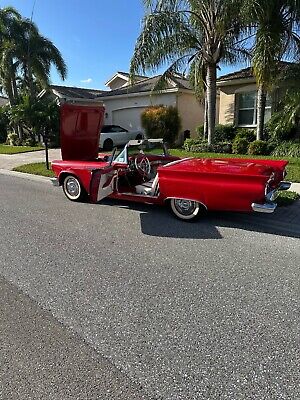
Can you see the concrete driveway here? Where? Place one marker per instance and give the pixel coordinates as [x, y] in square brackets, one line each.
[10, 161]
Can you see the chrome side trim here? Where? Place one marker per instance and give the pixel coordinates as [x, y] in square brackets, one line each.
[54, 181]
[267, 208]
[178, 198]
[284, 185]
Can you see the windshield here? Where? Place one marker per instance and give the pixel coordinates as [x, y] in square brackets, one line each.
[155, 147]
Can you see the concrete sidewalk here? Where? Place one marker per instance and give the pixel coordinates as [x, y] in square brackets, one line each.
[10, 161]
[295, 187]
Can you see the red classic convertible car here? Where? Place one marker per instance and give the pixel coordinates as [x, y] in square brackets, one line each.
[142, 173]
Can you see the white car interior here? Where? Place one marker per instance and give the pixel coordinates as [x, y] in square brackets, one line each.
[140, 166]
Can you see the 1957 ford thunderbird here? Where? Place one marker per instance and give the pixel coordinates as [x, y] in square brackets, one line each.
[140, 172]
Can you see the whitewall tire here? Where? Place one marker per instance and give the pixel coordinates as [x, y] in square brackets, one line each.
[73, 189]
[186, 210]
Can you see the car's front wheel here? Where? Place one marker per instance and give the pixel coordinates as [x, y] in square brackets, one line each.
[186, 210]
[73, 189]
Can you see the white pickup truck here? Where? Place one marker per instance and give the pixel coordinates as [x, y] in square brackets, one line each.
[115, 135]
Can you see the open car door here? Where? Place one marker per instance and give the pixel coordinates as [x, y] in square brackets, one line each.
[103, 183]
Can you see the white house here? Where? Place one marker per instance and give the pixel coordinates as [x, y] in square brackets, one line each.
[124, 102]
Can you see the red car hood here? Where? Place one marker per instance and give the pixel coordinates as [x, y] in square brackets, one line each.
[80, 127]
[229, 166]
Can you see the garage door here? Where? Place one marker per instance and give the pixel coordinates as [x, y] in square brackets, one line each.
[129, 118]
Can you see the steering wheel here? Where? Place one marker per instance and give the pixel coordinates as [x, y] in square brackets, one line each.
[143, 166]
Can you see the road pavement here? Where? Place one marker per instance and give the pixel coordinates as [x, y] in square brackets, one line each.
[117, 300]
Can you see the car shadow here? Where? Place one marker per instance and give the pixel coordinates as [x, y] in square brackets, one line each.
[158, 221]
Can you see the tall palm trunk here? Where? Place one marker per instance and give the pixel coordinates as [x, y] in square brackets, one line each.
[211, 95]
[205, 117]
[9, 92]
[261, 110]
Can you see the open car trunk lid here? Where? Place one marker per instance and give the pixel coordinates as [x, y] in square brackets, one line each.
[80, 126]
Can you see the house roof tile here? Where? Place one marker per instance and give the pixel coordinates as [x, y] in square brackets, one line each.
[247, 73]
[75, 92]
[147, 85]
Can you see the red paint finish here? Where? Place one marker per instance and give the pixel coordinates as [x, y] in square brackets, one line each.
[219, 184]
[80, 127]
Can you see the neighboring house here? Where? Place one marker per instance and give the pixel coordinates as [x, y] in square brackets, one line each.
[125, 104]
[67, 93]
[3, 101]
[121, 79]
[238, 97]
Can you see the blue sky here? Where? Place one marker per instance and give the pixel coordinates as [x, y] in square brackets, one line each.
[95, 37]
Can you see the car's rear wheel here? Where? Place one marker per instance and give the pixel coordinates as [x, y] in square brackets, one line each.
[186, 210]
[108, 144]
[73, 189]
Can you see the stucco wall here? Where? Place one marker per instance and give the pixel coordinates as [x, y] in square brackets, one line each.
[190, 111]
[132, 120]
[227, 108]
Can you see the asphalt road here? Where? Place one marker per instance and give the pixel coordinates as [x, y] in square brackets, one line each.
[117, 302]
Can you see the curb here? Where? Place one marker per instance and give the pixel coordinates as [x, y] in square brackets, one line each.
[23, 175]
[295, 187]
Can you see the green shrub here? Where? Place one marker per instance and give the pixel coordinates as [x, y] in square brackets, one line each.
[287, 149]
[258, 148]
[240, 145]
[284, 123]
[201, 146]
[223, 147]
[224, 133]
[287, 198]
[161, 121]
[200, 131]
[13, 139]
[248, 134]
[29, 141]
[196, 145]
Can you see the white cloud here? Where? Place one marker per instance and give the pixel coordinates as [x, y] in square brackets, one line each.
[89, 80]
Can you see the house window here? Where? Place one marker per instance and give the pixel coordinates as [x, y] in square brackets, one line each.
[247, 109]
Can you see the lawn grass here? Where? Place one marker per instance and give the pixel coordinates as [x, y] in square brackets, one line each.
[293, 167]
[35, 169]
[5, 149]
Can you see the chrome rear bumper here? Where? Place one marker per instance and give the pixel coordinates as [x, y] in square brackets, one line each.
[54, 181]
[267, 208]
[284, 185]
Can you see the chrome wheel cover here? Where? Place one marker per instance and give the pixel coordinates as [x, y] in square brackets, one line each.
[72, 187]
[185, 207]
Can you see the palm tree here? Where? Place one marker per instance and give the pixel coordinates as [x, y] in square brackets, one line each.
[7, 16]
[35, 55]
[9, 21]
[190, 35]
[276, 23]
[27, 53]
[26, 56]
